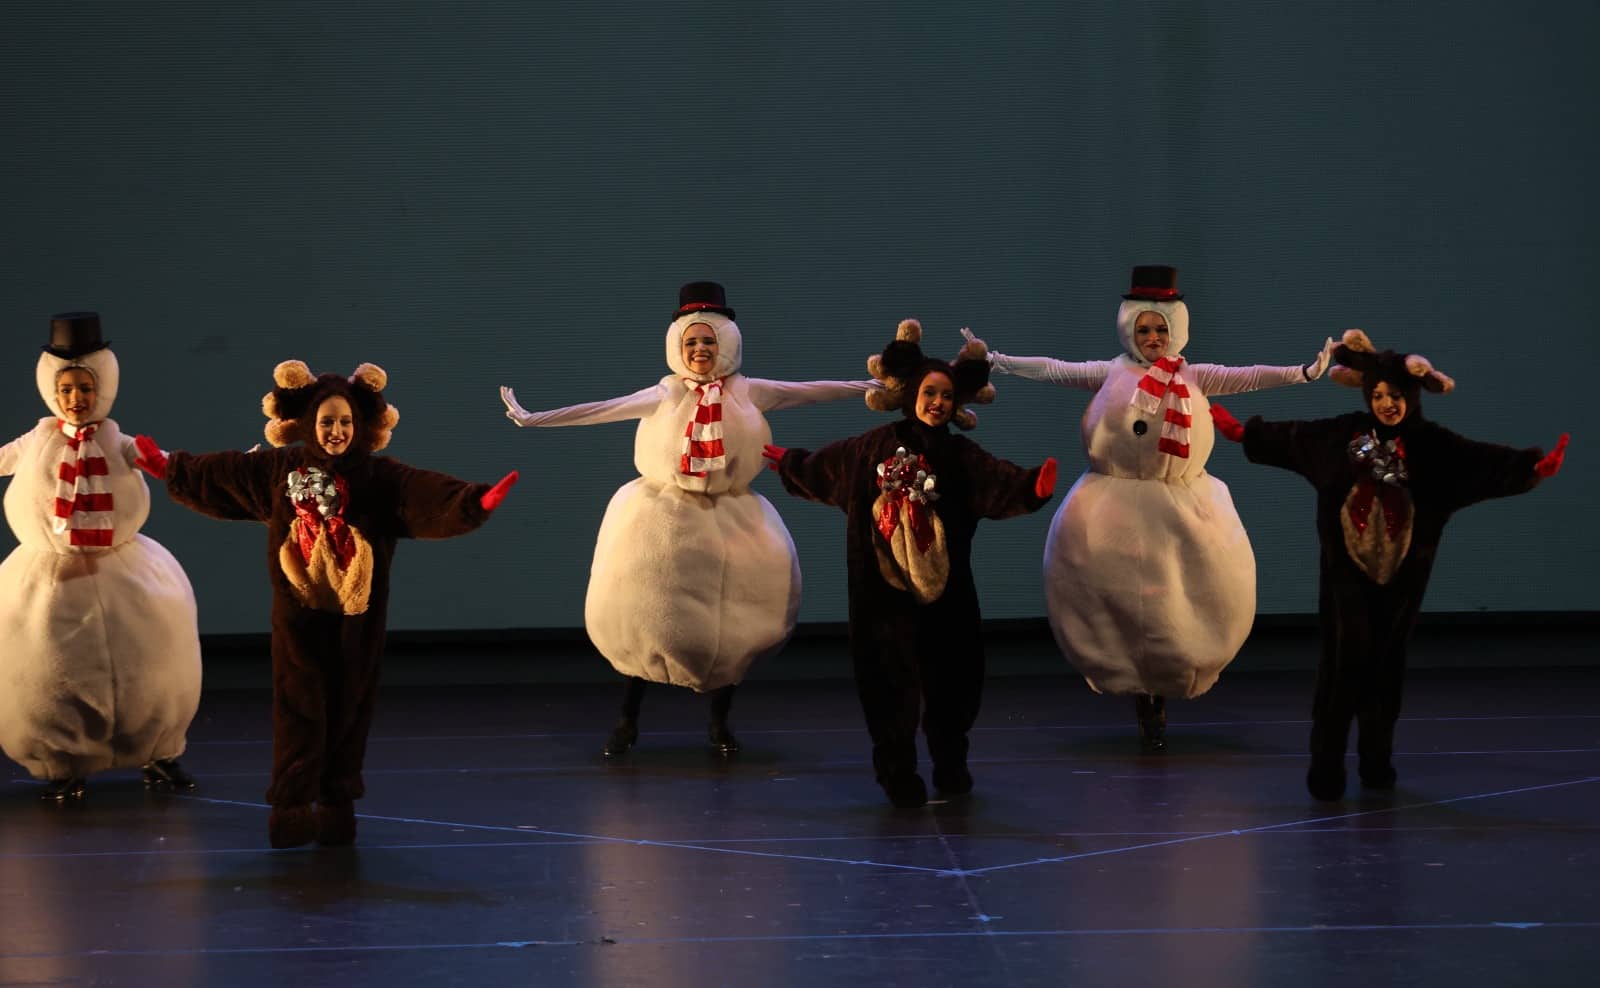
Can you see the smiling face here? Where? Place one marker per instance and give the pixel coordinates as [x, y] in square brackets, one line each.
[1151, 336]
[335, 425]
[75, 395]
[1388, 403]
[700, 348]
[936, 399]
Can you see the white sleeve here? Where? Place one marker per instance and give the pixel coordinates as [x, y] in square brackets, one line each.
[130, 449]
[1088, 374]
[1216, 379]
[768, 395]
[11, 455]
[635, 406]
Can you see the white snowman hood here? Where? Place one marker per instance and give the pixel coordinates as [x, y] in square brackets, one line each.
[730, 345]
[1175, 313]
[101, 363]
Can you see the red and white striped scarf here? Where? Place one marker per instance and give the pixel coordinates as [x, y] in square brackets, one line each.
[1163, 392]
[83, 489]
[702, 437]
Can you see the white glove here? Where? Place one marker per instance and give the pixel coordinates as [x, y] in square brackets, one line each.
[1319, 365]
[514, 411]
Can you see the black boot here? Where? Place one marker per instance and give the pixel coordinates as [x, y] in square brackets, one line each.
[720, 735]
[622, 737]
[1152, 714]
[166, 775]
[952, 779]
[1325, 778]
[61, 790]
[291, 826]
[336, 823]
[905, 791]
[1376, 772]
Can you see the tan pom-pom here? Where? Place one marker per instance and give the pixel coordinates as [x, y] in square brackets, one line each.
[1432, 380]
[885, 399]
[282, 433]
[1358, 341]
[984, 396]
[909, 330]
[385, 430]
[1347, 376]
[973, 349]
[965, 419]
[292, 374]
[370, 375]
[875, 366]
[269, 405]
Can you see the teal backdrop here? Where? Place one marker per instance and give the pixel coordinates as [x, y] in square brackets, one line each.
[487, 193]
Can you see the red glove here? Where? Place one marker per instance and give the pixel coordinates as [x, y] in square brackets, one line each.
[773, 454]
[1551, 464]
[492, 498]
[1045, 484]
[1227, 424]
[151, 460]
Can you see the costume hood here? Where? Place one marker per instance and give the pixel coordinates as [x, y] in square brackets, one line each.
[101, 363]
[730, 345]
[1176, 313]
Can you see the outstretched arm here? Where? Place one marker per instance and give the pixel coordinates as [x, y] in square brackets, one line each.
[230, 485]
[1476, 471]
[432, 505]
[1088, 374]
[10, 454]
[770, 395]
[634, 406]
[1220, 379]
[1001, 489]
[827, 475]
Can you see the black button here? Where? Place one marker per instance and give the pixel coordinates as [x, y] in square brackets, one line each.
[1140, 428]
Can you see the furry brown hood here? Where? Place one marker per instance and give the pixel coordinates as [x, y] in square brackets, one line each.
[902, 365]
[291, 407]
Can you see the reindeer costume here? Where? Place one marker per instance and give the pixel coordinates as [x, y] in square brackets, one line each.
[333, 521]
[1384, 494]
[913, 495]
[101, 667]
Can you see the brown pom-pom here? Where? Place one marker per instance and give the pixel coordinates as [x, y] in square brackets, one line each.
[974, 349]
[1358, 341]
[269, 405]
[1347, 376]
[282, 432]
[875, 366]
[909, 330]
[370, 375]
[984, 395]
[887, 398]
[384, 432]
[292, 374]
[965, 419]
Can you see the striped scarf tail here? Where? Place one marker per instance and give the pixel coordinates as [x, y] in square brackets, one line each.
[1163, 393]
[702, 438]
[83, 512]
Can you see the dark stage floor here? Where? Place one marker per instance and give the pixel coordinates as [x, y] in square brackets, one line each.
[497, 849]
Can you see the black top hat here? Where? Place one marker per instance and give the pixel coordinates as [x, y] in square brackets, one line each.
[1155, 283]
[75, 334]
[702, 296]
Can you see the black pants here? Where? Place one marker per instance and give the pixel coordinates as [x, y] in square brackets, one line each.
[1361, 676]
[918, 664]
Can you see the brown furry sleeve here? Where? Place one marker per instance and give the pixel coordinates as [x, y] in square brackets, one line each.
[430, 505]
[1316, 450]
[827, 475]
[231, 485]
[1000, 488]
[1459, 471]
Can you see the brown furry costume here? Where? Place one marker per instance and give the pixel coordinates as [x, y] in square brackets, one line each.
[915, 637]
[328, 615]
[1380, 526]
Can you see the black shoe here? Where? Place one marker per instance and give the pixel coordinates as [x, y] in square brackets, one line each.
[722, 740]
[1152, 714]
[166, 775]
[1325, 780]
[952, 780]
[1376, 773]
[907, 792]
[336, 823]
[61, 790]
[622, 737]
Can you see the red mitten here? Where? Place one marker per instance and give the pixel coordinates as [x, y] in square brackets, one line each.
[151, 460]
[1045, 484]
[1551, 464]
[1226, 423]
[773, 454]
[492, 498]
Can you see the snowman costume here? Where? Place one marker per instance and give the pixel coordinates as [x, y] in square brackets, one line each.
[1150, 582]
[694, 577]
[101, 668]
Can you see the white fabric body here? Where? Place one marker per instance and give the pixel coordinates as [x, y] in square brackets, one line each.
[1150, 581]
[101, 668]
[694, 578]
